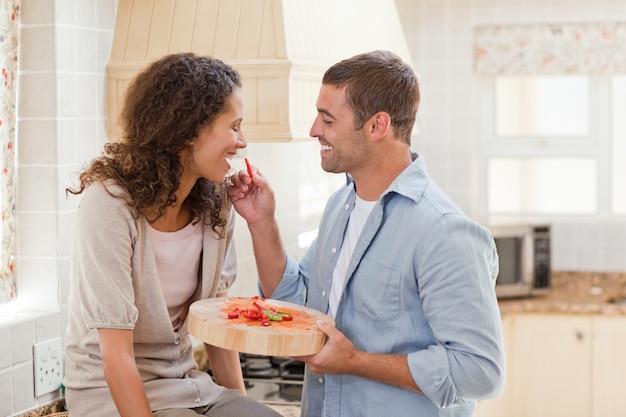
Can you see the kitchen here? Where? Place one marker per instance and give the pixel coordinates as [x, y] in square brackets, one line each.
[65, 47]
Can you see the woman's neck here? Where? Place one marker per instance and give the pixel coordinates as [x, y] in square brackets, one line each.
[174, 218]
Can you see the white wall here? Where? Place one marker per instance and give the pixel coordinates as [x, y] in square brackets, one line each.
[65, 46]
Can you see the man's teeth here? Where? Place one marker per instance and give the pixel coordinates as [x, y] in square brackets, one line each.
[327, 148]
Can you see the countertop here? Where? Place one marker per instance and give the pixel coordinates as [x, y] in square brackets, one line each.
[576, 293]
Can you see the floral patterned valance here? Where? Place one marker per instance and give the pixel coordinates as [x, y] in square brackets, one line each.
[545, 49]
[8, 70]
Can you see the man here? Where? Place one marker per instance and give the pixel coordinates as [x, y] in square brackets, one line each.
[407, 276]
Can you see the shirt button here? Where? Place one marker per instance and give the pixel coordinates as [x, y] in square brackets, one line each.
[346, 207]
[321, 380]
[334, 250]
[323, 293]
[177, 341]
[197, 400]
[189, 382]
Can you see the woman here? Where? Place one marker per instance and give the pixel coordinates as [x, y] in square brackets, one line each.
[154, 232]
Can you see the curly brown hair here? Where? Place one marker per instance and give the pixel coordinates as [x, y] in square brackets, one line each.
[165, 107]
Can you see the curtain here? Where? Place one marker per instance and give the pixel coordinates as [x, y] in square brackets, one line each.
[548, 49]
[9, 20]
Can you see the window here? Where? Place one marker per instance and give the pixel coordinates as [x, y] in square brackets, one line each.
[546, 106]
[549, 185]
[618, 151]
[552, 125]
[550, 148]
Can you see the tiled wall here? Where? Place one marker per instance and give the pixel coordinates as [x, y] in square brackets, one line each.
[65, 46]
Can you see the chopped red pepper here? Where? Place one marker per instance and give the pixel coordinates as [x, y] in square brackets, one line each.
[252, 314]
[262, 312]
[261, 305]
[284, 316]
[249, 167]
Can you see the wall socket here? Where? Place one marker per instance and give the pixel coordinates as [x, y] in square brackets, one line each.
[48, 361]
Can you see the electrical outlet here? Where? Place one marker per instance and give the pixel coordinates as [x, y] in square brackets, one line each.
[48, 358]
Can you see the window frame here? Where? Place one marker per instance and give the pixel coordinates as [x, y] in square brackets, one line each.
[597, 144]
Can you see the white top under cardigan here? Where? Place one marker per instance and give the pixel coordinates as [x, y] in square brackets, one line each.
[114, 284]
[177, 256]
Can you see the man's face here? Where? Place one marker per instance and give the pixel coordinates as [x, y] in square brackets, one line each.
[342, 146]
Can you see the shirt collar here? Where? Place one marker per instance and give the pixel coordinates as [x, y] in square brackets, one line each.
[410, 183]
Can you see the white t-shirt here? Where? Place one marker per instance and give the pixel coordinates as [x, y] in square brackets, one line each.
[177, 256]
[358, 217]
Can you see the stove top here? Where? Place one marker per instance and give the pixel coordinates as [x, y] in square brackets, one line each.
[274, 379]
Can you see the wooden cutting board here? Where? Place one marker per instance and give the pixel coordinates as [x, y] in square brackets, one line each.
[209, 322]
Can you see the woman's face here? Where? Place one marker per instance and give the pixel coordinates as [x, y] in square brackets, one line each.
[208, 155]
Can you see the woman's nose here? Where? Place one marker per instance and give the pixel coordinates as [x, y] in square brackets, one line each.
[241, 141]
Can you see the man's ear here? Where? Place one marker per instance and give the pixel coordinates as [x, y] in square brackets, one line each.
[379, 125]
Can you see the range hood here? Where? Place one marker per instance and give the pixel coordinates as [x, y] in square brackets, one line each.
[281, 48]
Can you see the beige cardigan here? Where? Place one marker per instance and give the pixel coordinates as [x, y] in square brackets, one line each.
[114, 284]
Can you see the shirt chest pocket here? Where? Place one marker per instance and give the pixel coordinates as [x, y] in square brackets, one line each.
[376, 291]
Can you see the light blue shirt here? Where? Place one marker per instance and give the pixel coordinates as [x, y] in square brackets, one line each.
[420, 283]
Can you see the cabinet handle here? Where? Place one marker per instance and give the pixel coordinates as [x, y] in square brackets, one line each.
[580, 335]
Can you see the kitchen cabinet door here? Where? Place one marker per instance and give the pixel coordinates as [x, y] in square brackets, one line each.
[550, 373]
[609, 366]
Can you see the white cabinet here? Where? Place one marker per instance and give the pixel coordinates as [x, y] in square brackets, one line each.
[562, 365]
[609, 366]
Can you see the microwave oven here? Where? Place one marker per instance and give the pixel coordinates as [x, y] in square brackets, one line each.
[524, 260]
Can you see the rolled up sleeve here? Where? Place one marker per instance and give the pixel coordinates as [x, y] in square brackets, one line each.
[292, 287]
[457, 278]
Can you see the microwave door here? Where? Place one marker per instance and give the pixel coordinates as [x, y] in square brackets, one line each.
[509, 250]
[511, 281]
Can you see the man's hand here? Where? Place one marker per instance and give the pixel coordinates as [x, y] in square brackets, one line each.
[339, 356]
[336, 356]
[253, 200]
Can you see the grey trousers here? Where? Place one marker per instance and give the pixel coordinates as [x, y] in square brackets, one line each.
[231, 403]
